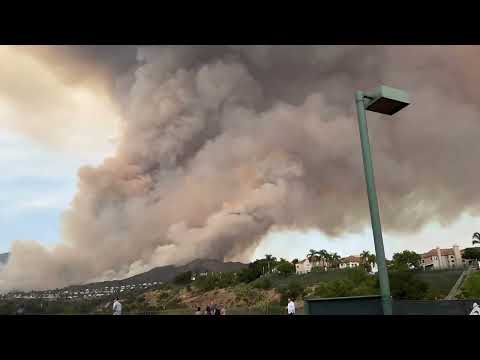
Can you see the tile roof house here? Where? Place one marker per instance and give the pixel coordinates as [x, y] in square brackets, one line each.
[350, 262]
[303, 267]
[442, 258]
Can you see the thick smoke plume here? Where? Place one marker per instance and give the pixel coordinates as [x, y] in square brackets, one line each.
[222, 143]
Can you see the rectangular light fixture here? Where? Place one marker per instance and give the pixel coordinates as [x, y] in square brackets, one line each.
[387, 100]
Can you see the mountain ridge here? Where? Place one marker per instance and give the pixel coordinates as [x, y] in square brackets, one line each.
[168, 272]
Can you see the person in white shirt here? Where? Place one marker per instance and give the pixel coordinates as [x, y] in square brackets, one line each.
[291, 307]
[475, 310]
[117, 307]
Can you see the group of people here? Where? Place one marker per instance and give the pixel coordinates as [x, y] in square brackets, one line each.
[212, 309]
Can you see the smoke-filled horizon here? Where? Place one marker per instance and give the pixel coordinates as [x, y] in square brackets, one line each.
[221, 144]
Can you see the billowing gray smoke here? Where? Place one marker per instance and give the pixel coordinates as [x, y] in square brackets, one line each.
[222, 143]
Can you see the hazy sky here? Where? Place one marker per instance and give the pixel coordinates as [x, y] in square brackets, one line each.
[39, 177]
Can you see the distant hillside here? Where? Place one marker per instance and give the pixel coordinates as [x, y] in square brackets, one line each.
[168, 273]
[4, 258]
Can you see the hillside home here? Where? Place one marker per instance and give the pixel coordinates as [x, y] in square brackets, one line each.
[443, 258]
[350, 262]
[305, 266]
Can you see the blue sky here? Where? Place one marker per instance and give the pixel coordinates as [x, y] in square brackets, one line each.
[37, 183]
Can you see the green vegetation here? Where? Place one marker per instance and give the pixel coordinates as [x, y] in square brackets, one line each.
[248, 295]
[440, 281]
[367, 260]
[265, 285]
[183, 278]
[247, 275]
[285, 268]
[309, 279]
[355, 282]
[216, 281]
[471, 287]
[405, 285]
[472, 253]
[9, 307]
[406, 260]
[262, 283]
[294, 290]
[331, 260]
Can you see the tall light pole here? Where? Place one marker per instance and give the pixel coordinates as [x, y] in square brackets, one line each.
[384, 100]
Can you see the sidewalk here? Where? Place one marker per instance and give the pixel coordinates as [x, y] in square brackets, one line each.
[453, 292]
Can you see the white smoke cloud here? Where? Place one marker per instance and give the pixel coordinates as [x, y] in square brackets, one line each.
[219, 144]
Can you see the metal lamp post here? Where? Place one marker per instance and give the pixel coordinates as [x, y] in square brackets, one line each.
[384, 100]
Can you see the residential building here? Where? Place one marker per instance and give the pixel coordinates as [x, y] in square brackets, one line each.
[305, 266]
[350, 262]
[443, 258]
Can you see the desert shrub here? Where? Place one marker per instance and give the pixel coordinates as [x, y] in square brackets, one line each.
[294, 290]
[262, 283]
[216, 281]
[248, 294]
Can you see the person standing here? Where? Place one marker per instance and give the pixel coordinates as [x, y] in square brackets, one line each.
[291, 307]
[199, 311]
[475, 310]
[213, 308]
[208, 310]
[223, 311]
[21, 310]
[117, 307]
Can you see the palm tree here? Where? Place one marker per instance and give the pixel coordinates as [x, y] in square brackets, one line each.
[312, 255]
[334, 260]
[323, 256]
[365, 257]
[372, 260]
[270, 259]
[476, 238]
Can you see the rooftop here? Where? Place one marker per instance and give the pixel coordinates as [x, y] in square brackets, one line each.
[433, 252]
[351, 258]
